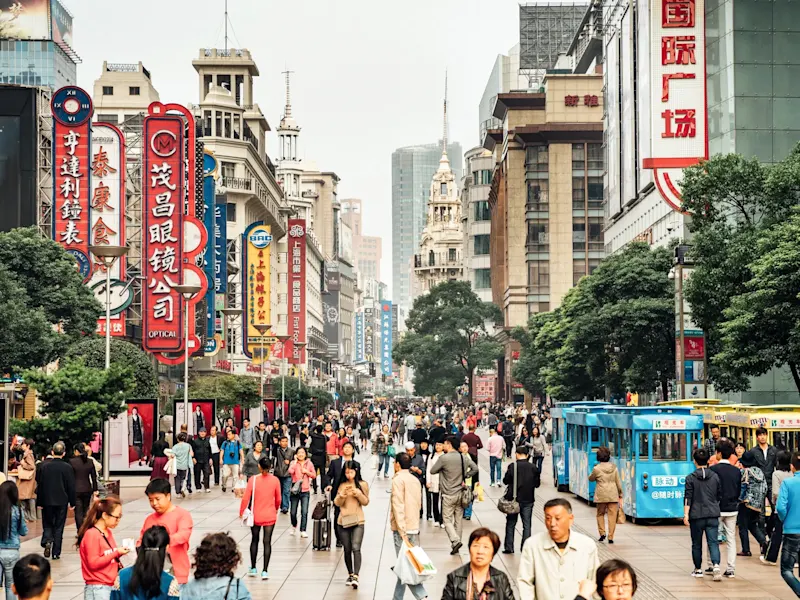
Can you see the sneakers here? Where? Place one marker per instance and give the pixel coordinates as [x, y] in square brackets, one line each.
[764, 561]
[48, 547]
[730, 574]
[697, 573]
[349, 580]
[264, 575]
[456, 548]
[717, 573]
[709, 570]
[303, 534]
[208, 490]
[292, 530]
[252, 572]
[354, 582]
[223, 489]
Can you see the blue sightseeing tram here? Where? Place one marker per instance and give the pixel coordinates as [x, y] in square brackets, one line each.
[652, 448]
[583, 434]
[560, 441]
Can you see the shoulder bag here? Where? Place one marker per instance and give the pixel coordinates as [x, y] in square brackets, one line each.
[466, 491]
[248, 516]
[510, 507]
[297, 486]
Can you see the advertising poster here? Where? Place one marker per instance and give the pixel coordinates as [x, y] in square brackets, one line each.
[132, 436]
[202, 413]
[62, 24]
[297, 290]
[257, 241]
[25, 19]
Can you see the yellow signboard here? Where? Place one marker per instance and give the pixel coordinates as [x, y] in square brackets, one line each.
[256, 289]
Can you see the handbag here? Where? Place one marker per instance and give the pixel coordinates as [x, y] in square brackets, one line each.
[390, 451]
[297, 486]
[248, 516]
[466, 491]
[320, 510]
[620, 516]
[510, 507]
[25, 475]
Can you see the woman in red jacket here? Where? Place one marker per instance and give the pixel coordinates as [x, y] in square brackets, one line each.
[263, 498]
[99, 552]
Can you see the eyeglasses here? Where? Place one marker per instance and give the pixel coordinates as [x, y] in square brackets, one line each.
[620, 587]
[117, 517]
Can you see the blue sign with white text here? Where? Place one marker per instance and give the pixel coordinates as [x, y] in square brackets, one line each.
[221, 246]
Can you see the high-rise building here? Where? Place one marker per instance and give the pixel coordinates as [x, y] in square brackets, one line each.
[505, 77]
[122, 91]
[36, 44]
[367, 249]
[412, 171]
[477, 220]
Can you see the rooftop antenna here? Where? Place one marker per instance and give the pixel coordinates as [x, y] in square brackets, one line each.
[444, 134]
[288, 110]
[226, 25]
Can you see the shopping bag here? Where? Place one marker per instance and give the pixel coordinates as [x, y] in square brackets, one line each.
[239, 488]
[409, 570]
[620, 516]
[171, 468]
[479, 492]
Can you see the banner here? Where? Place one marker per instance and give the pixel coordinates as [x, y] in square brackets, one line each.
[359, 341]
[386, 338]
[25, 19]
[256, 251]
[297, 290]
[369, 331]
[209, 256]
[330, 307]
[108, 223]
[221, 245]
[72, 113]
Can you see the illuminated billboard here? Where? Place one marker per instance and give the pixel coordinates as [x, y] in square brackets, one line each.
[25, 19]
[61, 24]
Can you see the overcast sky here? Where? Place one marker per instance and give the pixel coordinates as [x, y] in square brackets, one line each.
[369, 74]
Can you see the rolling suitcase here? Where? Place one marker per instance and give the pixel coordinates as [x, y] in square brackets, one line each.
[323, 528]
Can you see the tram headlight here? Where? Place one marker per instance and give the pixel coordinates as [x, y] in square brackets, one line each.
[644, 476]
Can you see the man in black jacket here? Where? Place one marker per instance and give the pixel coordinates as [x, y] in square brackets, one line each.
[507, 431]
[283, 457]
[335, 477]
[701, 512]
[766, 457]
[437, 433]
[730, 479]
[55, 492]
[528, 479]
[201, 446]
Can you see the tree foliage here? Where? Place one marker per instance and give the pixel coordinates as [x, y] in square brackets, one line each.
[739, 208]
[228, 390]
[612, 333]
[448, 338]
[93, 352]
[75, 401]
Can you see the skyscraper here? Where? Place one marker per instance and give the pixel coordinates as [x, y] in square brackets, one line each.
[413, 168]
[367, 249]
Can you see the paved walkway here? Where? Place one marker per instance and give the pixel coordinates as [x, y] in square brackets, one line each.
[660, 554]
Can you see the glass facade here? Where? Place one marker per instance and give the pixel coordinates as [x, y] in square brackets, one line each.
[40, 63]
[412, 171]
[753, 77]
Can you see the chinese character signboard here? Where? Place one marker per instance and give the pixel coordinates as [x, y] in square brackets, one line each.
[209, 256]
[678, 93]
[297, 291]
[257, 245]
[672, 424]
[484, 388]
[359, 341]
[386, 338]
[221, 245]
[72, 113]
[107, 206]
[369, 331]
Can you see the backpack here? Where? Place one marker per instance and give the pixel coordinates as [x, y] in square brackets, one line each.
[754, 489]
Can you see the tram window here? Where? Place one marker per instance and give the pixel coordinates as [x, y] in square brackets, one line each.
[786, 440]
[618, 443]
[610, 441]
[643, 442]
[595, 435]
[627, 452]
[669, 446]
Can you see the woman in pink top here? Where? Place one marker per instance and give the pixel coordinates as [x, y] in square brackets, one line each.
[263, 497]
[302, 471]
[99, 552]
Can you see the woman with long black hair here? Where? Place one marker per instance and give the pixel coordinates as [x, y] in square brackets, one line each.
[146, 579]
[12, 527]
[263, 498]
[85, 482]
[353, 493]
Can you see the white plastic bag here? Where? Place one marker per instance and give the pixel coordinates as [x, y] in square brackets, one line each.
[374, 461]
[171, 468]
[413, 565]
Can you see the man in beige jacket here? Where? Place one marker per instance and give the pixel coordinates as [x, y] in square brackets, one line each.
[406, 506]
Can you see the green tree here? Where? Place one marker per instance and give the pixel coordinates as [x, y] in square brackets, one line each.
[530, 369]
[52, 285]
[228, 390]
[75, 401]
[448, 338]
[93, 352]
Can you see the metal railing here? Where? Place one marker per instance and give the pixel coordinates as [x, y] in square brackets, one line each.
[238, 183]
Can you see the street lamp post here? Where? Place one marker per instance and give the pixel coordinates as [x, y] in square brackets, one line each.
[229, 314]
[283, 339]
[187, 290]
[262, 328]
[107, 255]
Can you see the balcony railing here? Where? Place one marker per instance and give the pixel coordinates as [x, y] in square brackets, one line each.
[437, 259]
[238, 183]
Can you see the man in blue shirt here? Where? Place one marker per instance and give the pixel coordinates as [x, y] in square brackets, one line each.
[789, 513]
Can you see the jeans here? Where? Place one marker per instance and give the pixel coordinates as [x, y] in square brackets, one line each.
[383, 462]
[216, 466]
[451, 515]
[495, 469]
[183, 475]
[82, 503]
[255, 533]
[351, 538]
[286, 488]
[53, 520]
[537, 462]
[8, 558]
[302, 500]
[433, 501]
[709, 527]
[748, 521]
[202, 476]
[418, 590]
[525, 512]
[468, 512]
[774, 547]
[789, 556]
[97, 592]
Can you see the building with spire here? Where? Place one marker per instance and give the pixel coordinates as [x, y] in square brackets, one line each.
[440, 254]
